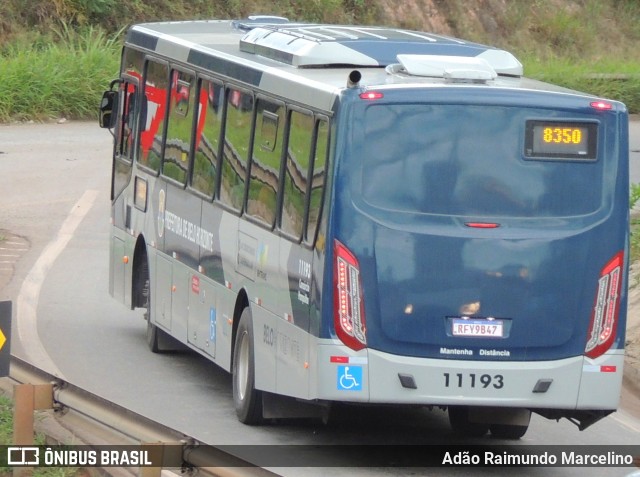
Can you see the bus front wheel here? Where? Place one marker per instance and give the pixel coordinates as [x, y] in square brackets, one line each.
[158, 341]
[153, 340]
[246, 398]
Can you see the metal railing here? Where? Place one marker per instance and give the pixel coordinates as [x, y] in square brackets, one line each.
[94, 421]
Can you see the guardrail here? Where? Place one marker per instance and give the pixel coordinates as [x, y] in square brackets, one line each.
[91, 420]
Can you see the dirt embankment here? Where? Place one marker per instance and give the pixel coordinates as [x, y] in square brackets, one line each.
[632, 355]
[445, 17]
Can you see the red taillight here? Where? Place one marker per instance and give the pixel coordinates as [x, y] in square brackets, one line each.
[601, 105]
[371, 95]
[482, 225]
[348, 306]
[604, 318]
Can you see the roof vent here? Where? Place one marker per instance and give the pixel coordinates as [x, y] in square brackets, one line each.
[297, 48]
[309, 45]
[256, 21]
[448, 67]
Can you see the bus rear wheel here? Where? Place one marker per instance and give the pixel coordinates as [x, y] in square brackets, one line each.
[246, 398]
[507, 431]
[462, 426]
[511, 431]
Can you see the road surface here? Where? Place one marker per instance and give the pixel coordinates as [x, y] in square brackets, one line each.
[54, 183]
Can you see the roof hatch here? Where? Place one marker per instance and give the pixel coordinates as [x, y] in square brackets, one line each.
[448, 67]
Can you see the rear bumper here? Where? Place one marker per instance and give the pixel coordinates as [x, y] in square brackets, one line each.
[376, 377]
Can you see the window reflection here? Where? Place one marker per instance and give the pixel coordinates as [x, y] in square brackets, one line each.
[265, 168]
[152, 115]
[208, 137]
[236, 147]
[297, 173]
[178, 142]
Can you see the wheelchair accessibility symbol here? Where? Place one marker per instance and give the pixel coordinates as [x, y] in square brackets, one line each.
[349, 378]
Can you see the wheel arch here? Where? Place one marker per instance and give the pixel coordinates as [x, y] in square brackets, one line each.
[242, 302]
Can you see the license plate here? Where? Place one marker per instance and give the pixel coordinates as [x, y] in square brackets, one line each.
[477, 328]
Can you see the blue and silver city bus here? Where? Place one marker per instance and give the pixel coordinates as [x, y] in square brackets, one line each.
[371, 215]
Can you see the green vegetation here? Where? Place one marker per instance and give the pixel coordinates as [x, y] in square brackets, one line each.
[612, 78]
[61, 78]
[6, 436]
[56, 57]
[635, 224]
[6, 421]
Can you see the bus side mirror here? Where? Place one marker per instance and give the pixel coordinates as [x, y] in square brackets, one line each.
[108, 109]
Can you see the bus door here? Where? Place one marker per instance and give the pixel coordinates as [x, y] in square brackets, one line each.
[258, 252]
[209, 308]
[121, 203]
[304, 182]
[182, 212]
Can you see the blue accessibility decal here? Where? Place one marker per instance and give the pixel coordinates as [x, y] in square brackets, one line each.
[350, 378]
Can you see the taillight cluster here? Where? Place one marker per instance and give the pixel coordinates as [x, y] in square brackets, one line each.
[604, 318]
[348, 310]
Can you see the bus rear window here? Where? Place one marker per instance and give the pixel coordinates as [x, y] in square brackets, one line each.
[469, 160]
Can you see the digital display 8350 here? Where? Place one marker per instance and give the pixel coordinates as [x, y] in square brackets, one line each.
[561, 140]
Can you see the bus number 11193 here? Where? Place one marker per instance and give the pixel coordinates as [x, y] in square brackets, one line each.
[484, 380]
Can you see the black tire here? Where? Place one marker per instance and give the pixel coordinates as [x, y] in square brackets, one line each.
[509, 431]
[246, 398]
[153, 340]
[152, 330]
[158, 341]
[459, 421]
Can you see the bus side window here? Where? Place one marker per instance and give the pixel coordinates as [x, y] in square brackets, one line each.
[208, 130]
[179, 124]
[235, 154]
[296, 174]
[126, 130]
[265, 166]
[317, 178]
[152, 117]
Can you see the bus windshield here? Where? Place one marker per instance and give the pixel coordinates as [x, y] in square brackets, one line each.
[477, 160]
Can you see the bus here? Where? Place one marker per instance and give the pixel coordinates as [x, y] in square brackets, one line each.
[368, 215]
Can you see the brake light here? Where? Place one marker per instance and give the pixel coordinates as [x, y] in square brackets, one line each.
[371, 95]
[602, 105]
[482, 225]
[604, 318]
[348, 306]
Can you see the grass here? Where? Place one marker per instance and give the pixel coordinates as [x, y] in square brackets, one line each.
[6, 437]
[56, 58]
[611, 78]
[635, 225]
[6, 420]
[64, 78]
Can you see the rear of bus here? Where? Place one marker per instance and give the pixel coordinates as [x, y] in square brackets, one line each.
[479, 250]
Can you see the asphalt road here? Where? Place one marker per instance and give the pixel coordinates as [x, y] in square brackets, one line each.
[54, 186]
